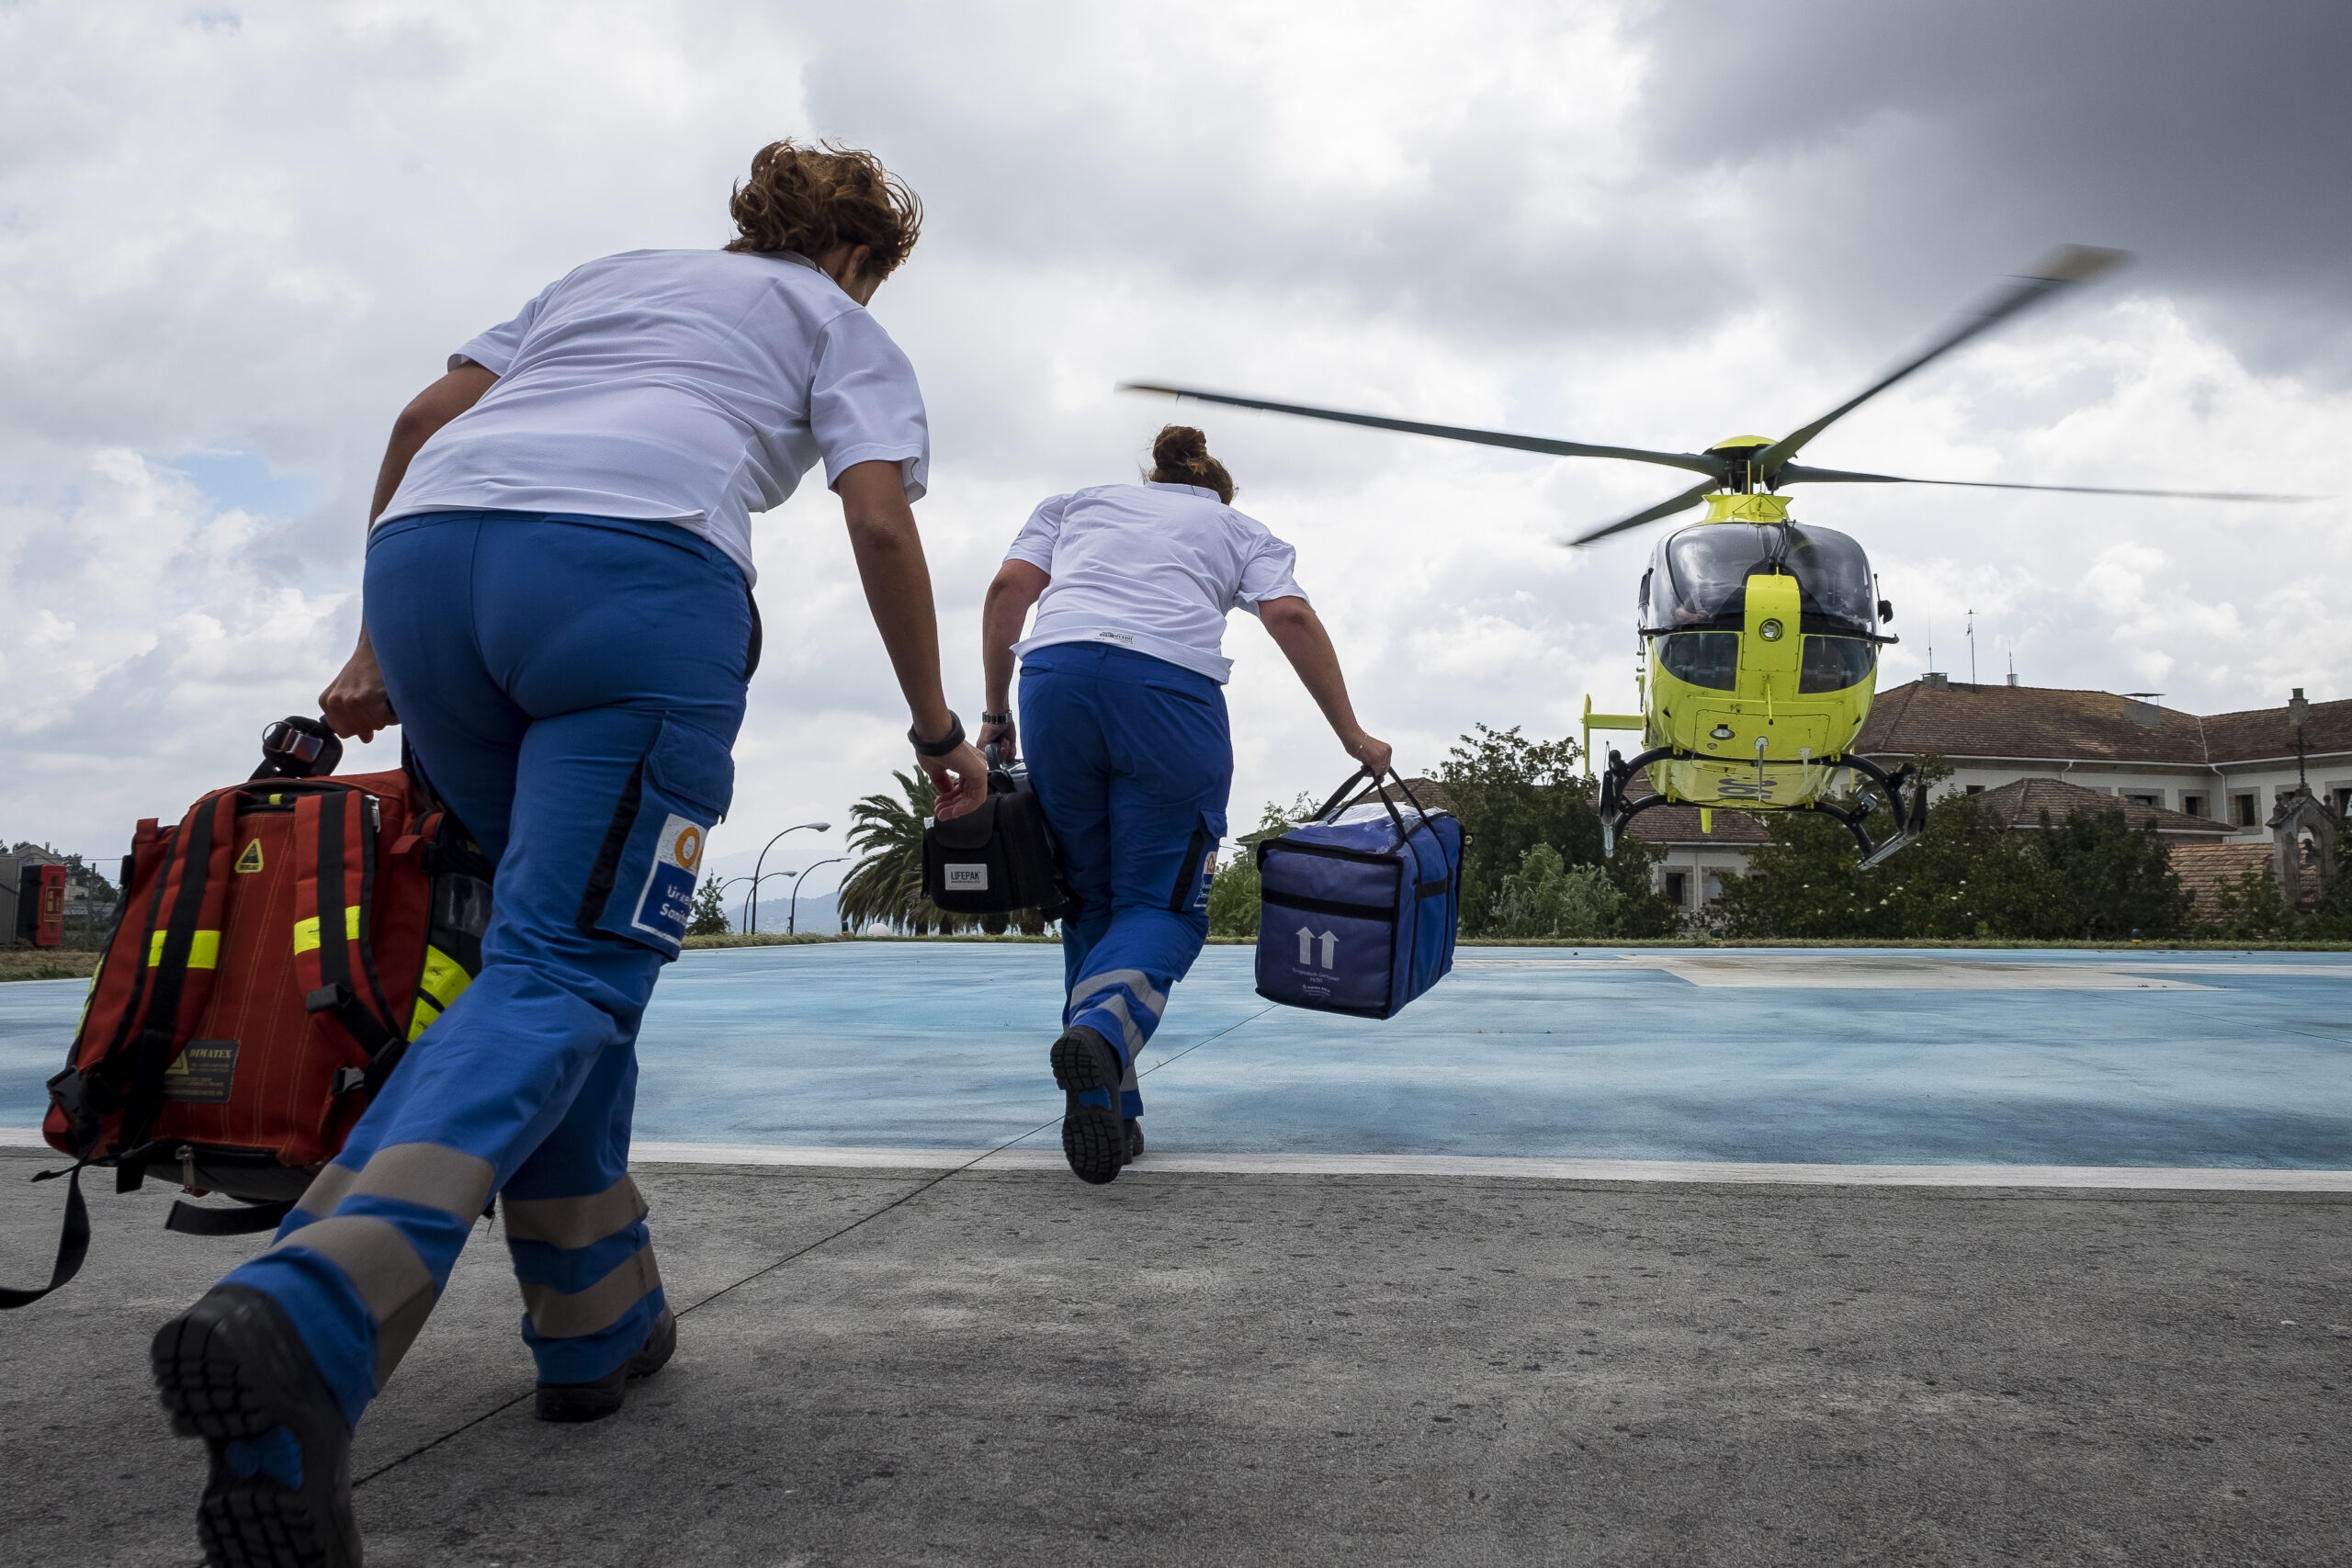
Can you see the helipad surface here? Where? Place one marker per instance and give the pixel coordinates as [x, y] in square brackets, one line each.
[1803, 1057]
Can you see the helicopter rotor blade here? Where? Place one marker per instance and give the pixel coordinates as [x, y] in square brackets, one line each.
[1683, 502]
[2069, 265]
[1797, 473]
[1695, 462]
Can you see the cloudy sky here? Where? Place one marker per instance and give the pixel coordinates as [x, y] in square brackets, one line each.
[235, 238]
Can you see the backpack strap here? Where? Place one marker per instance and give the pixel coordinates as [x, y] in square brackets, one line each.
[335, 839]
[182, 955]
[73, 1242]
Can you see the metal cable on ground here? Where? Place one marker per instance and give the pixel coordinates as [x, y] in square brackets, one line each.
[904, 1198]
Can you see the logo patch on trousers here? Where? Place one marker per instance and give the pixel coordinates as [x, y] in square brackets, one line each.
[666, 902]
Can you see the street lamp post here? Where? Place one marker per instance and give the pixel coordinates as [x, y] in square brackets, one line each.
[752, 922]
[747, 896]
[792, 912]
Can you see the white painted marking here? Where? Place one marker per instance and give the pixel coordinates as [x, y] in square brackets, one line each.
[2133, 1177]
[1844, 973]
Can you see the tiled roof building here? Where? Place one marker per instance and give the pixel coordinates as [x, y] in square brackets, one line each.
[2210, 783]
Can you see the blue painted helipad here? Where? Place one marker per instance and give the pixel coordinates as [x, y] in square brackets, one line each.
[1812, 1057]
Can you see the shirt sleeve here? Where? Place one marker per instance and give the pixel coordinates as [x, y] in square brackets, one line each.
[1266, 572]
[864, 405]
[1035, 543]
[495, 350]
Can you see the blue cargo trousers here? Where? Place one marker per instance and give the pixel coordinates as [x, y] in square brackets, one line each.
[1132, 759]
[571, 687]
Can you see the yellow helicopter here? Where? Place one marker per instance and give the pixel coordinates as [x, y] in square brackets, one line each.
[1760, 634]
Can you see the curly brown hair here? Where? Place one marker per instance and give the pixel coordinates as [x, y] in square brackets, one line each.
[1179, 456]
[810, 199]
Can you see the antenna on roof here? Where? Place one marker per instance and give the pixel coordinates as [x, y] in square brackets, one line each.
[1971, 646]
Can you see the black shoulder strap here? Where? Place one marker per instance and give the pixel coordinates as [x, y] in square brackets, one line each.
[73, 1242]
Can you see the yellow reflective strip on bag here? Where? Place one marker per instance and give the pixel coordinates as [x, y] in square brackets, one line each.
[443, 979]
[203, 950]
[425, 1013]
[306, 931]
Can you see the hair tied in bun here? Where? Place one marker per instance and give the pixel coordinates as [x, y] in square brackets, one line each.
[1179, 456]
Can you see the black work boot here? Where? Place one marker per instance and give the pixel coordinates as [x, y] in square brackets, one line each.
[1088, 1071]
[233, 1371]
[595, 1399]
[1134, 1139]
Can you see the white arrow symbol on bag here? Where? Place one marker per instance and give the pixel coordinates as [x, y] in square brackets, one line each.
[1330, 951]
[1306, 945]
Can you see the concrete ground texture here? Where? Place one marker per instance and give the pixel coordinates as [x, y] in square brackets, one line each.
[1589, 1258]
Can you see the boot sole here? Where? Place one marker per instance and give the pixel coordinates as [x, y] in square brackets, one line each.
[1094, 1140]
[244, 1400]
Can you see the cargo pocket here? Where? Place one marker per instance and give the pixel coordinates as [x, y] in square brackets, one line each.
[1190, 893]
[643, 885]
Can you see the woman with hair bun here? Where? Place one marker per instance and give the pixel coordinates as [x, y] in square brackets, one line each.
[557, 608]
[1122, 692]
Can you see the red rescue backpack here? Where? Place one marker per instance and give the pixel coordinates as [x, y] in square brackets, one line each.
[272, 957]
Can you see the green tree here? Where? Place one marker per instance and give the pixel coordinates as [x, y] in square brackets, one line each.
[2249, 907]
[887, 884]
[1968, 876]
[1544, 897]
[1513, 794]
[709, 917]
[1233, 896]
[2330, 917]
[2116, 879]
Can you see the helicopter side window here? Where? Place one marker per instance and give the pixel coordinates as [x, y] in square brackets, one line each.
[1702, 659]
[1834, 664]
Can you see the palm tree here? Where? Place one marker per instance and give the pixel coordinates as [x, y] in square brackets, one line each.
[886, 885]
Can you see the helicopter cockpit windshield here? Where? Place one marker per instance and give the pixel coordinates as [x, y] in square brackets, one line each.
[1698, 579]
[1696, 593]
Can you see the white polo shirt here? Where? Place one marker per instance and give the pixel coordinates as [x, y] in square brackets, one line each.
[686, 387]
[1154, 567]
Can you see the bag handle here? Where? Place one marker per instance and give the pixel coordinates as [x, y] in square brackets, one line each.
[1330, 808]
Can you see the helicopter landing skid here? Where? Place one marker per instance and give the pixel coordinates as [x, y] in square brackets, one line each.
[1904, 791]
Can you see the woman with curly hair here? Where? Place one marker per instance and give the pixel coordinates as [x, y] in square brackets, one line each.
[557, 608]
[1123, 692]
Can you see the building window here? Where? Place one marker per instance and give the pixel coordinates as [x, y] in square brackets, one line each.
[1976, 789]
[2243, 810]
[2192, 804]
[2146, 799]
[2343, 802]
[1678, 889]
[1713, 887]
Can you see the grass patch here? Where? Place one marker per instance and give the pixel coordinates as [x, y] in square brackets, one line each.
[46, 964]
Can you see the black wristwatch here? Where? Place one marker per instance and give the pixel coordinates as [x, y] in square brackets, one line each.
[944, 745]
[1004, 718]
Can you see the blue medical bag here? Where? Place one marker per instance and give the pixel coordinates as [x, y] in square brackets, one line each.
[1358, 907]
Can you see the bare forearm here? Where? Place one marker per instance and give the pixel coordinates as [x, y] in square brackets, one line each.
[1298, 631]
[1016, 586]
[1304, 642]
[999, 631]
[897, 579]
